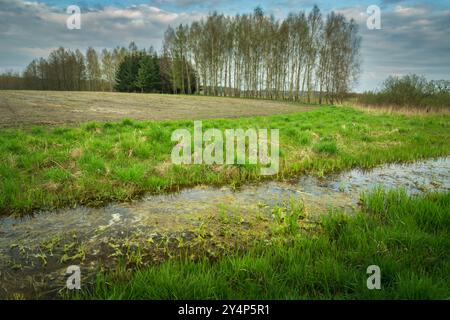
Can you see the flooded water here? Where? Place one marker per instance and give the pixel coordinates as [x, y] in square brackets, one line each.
[36, 250]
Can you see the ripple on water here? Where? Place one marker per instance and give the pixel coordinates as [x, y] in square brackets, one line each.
[173, 212]
[336, 190]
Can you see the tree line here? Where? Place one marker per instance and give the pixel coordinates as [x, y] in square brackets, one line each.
[120, 69]
[65, 69]
[303, 57]
[256, 56]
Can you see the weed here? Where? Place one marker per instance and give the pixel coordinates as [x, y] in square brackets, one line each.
[407, 237]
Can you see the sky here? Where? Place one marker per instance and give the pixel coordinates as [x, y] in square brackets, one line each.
[414, 35]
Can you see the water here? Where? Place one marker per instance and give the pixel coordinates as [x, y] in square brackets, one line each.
[32, 248]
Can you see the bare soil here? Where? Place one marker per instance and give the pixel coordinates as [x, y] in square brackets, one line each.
[23, 108]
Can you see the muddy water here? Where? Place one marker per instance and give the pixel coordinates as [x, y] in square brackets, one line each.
[35, 251]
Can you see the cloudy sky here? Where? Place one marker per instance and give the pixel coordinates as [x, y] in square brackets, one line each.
[414, 35]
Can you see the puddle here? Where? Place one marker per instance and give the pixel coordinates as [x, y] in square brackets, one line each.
[27, 245]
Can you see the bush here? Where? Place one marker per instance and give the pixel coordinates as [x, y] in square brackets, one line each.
[410, 90]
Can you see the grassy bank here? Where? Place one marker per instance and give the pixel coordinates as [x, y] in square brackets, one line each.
[95, 163]
[406, 237]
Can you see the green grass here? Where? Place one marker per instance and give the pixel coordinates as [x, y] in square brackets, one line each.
[95, 163]
[407, 237]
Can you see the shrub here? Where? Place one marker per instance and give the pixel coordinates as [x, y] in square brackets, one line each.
[410, 90]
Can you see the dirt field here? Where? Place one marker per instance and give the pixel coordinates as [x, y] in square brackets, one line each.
[20, 108]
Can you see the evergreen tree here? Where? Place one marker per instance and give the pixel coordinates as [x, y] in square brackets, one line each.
[128, 73]
[148, 78]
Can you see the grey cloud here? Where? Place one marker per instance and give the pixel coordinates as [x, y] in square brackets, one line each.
[188, 3]
[28, 30]
[416, 41]
[412, 39]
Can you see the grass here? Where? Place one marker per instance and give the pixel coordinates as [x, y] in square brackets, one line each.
[95, 163]
[407, 237]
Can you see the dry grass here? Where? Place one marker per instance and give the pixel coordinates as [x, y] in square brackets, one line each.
[19, 108]
[407, 110]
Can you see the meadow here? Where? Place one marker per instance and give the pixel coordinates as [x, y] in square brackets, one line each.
[407, 237]
[98, 155]
[94, 163]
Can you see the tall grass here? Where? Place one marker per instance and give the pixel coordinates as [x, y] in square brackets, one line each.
[406, 237]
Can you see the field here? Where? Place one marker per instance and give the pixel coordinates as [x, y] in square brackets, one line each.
[22, 108]
[47, 167]
[62, 150]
